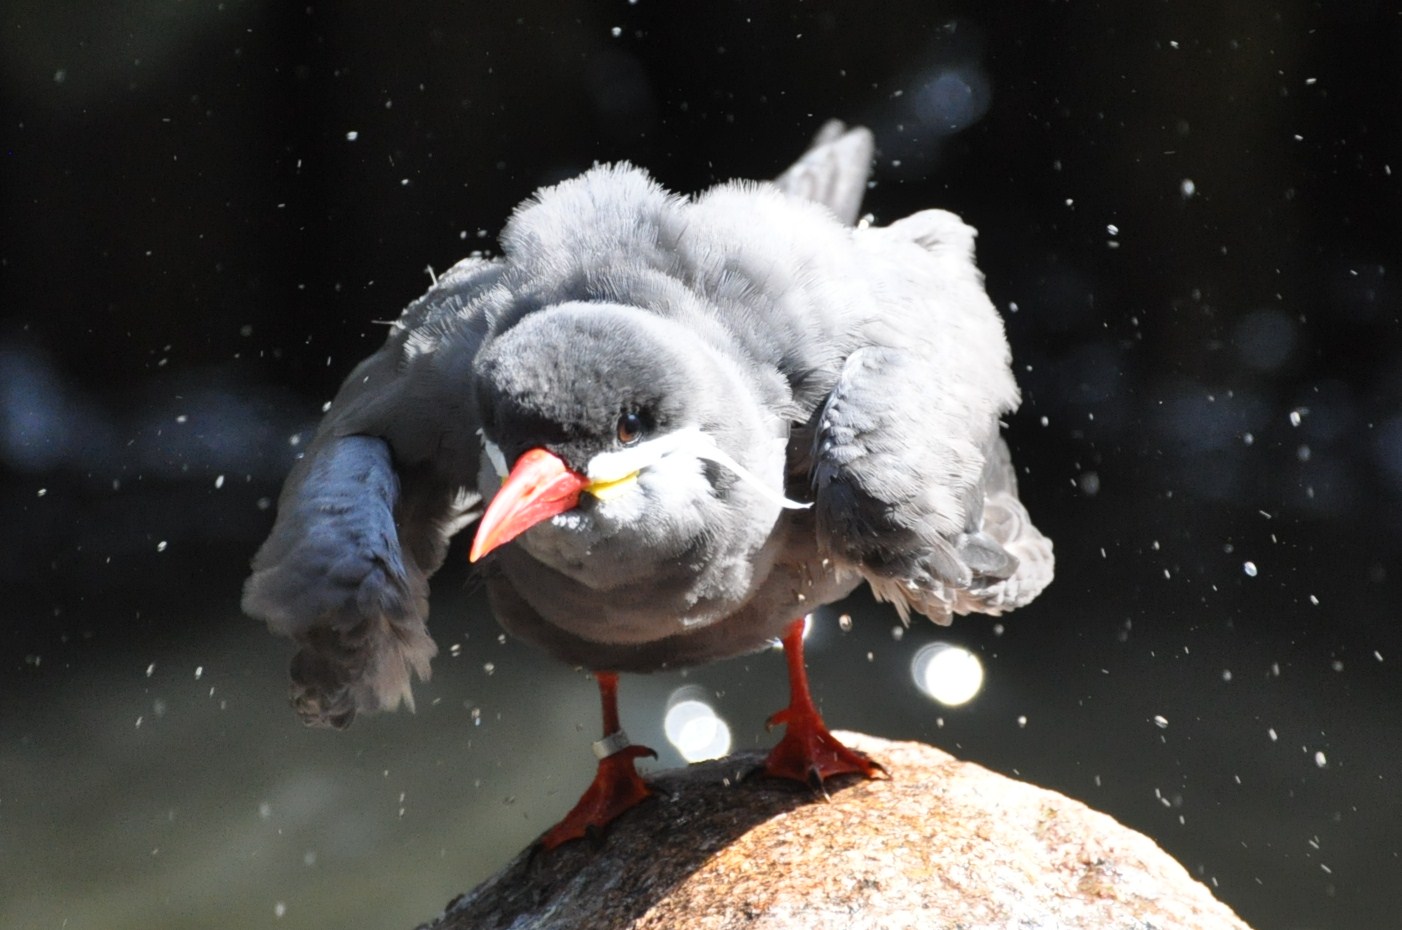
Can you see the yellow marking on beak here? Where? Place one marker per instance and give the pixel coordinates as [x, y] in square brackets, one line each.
[604, 489]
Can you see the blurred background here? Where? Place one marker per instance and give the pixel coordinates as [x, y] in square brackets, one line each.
[1188, 213]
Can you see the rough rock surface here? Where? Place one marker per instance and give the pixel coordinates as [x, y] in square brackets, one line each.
[942, 844]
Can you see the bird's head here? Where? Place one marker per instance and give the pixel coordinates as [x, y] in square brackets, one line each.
[619, 433]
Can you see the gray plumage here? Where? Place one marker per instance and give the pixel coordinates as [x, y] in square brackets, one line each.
[861, 370]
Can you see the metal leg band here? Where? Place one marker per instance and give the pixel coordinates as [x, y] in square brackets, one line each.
[615, 742]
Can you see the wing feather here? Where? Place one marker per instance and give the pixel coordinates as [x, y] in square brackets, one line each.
[914, 486]
[365, 516]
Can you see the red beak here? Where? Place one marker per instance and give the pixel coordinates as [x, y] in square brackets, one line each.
[539, 486]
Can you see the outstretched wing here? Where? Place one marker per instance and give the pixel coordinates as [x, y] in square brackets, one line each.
[365, 516]
[833, 171]
[914, 486]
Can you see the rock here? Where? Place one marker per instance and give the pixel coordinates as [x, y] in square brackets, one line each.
[941, 844]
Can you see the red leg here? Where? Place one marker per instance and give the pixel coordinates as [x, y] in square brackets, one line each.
[616, 786]
[808, 752]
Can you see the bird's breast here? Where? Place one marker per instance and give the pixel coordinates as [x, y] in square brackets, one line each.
[684, 613]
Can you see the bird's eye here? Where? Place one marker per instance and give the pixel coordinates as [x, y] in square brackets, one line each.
[630, 428]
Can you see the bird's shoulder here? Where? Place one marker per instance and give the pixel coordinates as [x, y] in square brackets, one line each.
[417, 385]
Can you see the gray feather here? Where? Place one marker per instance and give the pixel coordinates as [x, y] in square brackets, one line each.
[834, 171]
[1027, 563]
[913, 484]
[365, 516]
[862, 368]
[333, 577]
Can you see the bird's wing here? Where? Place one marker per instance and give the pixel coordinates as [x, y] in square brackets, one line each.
[833, 171]
[913, 485]
[365, 515]
[1006, 525]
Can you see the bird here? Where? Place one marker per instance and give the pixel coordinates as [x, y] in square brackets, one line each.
[680, 425]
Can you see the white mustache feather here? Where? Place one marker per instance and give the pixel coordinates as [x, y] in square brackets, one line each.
[613, 466]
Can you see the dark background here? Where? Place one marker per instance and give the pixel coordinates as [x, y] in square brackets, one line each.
[1188, 212]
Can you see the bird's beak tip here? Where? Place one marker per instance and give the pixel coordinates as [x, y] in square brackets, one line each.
[479, 548]
[539, 486]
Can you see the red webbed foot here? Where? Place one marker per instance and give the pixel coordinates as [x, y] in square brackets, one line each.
[617, 787]
[809, 753]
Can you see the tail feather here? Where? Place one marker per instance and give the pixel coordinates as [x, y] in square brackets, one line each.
[834, 171]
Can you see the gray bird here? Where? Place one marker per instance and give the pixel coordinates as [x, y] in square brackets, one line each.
[693, 420]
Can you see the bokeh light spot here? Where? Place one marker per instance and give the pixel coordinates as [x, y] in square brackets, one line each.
[694, 728]
[951, 675]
